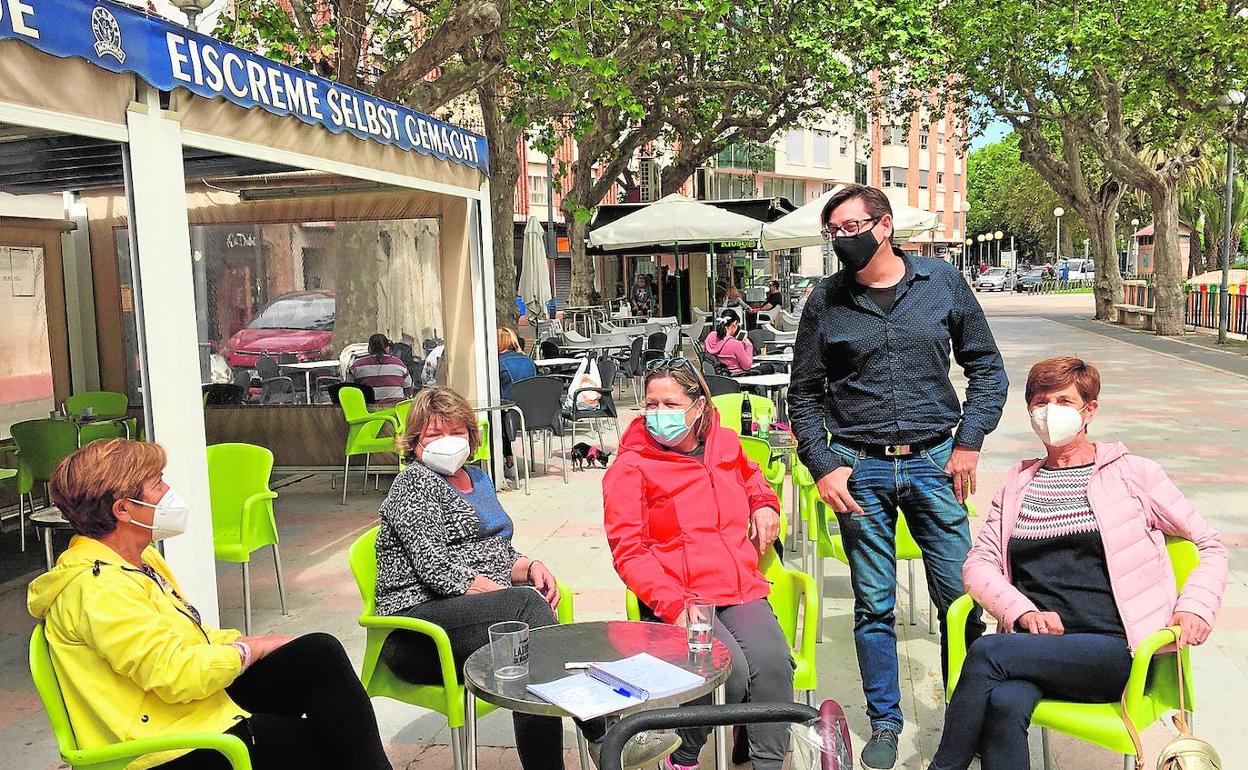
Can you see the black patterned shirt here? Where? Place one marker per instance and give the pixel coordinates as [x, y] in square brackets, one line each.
[866, 375]
[431, 544]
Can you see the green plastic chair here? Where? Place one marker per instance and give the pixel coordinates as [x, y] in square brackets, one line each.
[105, 403]
[41, 445]
[19, 477]
[729, 407]
[242, 512]
[759, 451]
[794, 600]
[483, 454]
[1152, 687]
[446, 698]
[364, 432]
[118, 755]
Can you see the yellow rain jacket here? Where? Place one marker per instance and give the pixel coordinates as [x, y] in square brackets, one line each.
[131, 660]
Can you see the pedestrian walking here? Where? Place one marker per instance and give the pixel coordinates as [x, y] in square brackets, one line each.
[881, 428]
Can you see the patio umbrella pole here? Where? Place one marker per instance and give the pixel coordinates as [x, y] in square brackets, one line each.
[676, 262]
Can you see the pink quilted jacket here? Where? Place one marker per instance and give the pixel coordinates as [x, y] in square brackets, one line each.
[1136, 506]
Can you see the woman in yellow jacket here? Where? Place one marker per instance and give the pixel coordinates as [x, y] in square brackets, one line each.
[134, 660]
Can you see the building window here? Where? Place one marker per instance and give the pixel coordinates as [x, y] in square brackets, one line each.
[748, 156]
[860, 172]
[923, 176]
[537, 189]
[730, 186]
[895, 135]
[860, 122]
[957, 183]
[822, 149]
[844, 145]
[894, 176]
[795, 146]
[780, 187]
[922, 140]
[940, 179]
[940, 142]
[828, 187]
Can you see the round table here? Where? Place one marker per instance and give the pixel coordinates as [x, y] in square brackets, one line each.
[553, 646]
[49, 520]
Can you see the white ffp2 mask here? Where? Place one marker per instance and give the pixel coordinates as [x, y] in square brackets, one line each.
[445, 455]
[171, 516]
[1057, 424]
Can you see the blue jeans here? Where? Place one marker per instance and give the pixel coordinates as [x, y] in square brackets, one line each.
[1005, 675]
[919, 486]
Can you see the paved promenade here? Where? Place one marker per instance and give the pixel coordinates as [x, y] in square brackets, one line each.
[1190, 416]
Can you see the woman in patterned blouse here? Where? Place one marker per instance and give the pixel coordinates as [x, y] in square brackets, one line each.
[444, 555]
[1072, 562]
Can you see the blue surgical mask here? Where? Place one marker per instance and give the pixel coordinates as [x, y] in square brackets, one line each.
[668, 426]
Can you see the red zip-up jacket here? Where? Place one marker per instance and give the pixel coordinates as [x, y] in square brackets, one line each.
[678, 526]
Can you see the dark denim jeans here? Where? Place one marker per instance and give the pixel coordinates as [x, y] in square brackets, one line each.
[919, 486]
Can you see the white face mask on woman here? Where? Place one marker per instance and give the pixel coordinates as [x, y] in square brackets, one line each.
[1057, 424]
[445, 455]
[169, 518]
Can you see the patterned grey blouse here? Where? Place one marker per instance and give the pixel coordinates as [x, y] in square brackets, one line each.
[430, 544]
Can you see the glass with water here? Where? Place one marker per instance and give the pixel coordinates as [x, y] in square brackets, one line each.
[509, 648]
[699, 622]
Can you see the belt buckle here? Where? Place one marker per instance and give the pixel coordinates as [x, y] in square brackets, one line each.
[896, 450]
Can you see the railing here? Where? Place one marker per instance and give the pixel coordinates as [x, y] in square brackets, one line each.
[1138, 293]
[1203, 306]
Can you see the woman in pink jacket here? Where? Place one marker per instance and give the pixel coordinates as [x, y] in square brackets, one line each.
[1072, 562]
[735, 354]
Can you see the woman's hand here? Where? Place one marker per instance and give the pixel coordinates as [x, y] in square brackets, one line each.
[261, 646]
[483, 585]
[544, 581]
[681, 620]
[1036, 622]
[1192, 628]
[765, 526]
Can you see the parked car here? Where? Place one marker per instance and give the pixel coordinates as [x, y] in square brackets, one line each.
[1080, 269]
[300, 323]
[801, 289]
[996, 279]
[1030, 280]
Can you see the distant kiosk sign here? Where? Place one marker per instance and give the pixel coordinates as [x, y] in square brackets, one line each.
[122, 39]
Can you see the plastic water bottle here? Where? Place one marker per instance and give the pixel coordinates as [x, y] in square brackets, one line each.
[764, 424]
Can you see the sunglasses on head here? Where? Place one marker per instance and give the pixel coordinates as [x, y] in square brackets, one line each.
[670, 364]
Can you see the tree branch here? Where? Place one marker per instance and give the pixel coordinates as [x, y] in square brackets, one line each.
[466, 23]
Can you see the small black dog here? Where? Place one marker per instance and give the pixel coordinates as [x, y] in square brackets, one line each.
[583, 454]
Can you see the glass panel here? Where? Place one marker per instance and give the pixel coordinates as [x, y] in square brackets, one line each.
[25, 358]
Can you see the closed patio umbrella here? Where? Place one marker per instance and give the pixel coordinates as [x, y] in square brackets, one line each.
[534, 267]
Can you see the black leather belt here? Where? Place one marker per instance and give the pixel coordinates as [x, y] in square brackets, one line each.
[889, 451]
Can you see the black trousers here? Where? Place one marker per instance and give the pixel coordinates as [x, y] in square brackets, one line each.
[308, 710]
[466, 620]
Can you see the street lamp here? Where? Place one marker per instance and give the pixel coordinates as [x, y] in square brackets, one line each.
[1232, 100]
[997, 236]
[979, 252]
[1057, 250]
[1133, 264]
[988, 240]
[192, 9]
[966, 247]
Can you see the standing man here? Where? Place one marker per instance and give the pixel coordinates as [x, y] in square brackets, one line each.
[879, 425]
[641, 299]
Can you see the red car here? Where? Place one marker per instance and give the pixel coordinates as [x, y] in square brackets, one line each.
[301, 322]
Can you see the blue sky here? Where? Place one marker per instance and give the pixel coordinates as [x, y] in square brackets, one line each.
[993, 133]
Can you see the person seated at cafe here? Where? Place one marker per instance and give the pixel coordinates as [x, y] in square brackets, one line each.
[386, 374]
[513, 366]
[1072, 562]
[641, 298]
[727, 343]
[444, 555]
[774, 299]
[134, 659]
[688, 515]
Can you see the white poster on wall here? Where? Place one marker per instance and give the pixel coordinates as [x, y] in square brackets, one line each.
[18, 266]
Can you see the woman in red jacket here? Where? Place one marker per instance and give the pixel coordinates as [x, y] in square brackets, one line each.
[688, 515]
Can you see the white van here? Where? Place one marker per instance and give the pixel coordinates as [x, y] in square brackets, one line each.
[1080, 269]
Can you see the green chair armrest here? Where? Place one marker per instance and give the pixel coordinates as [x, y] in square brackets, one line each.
[1153, 644]
[375, 417]
[810, 614]
[955, 625]
[119, 754]
[258, 499]
[564, 612]
[442, 642]
[774, 474]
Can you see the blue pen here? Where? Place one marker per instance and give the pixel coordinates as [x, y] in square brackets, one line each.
[624, 692]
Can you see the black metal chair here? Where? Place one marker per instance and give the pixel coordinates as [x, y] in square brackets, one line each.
[540, 400]
[657, 341]
[606, 404]
[367, 390]
[630, 367]
[550, 348]
[648, 356]
[267, 368]
[720, 385]
[223, 394]
[713, 363]
[323, 383]
[244, 380]
[277, 390]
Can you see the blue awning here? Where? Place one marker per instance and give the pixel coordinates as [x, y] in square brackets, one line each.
[122, 39]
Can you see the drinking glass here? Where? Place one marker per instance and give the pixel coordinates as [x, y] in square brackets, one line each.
[699, 622]
[509, 648]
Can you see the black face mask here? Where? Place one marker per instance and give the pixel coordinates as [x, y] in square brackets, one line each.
[855, 251]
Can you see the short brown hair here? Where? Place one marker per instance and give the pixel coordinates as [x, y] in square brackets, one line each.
[688, 377]
[87, 483]
[507, 340]
[442, 403]
[874, 199]
[1056, 373]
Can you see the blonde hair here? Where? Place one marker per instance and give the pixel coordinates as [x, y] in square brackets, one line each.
[507, 340]
[694, 384]
[87, 483]
[444, 404]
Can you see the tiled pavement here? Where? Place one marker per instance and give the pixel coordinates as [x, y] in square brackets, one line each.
[1190, 418]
